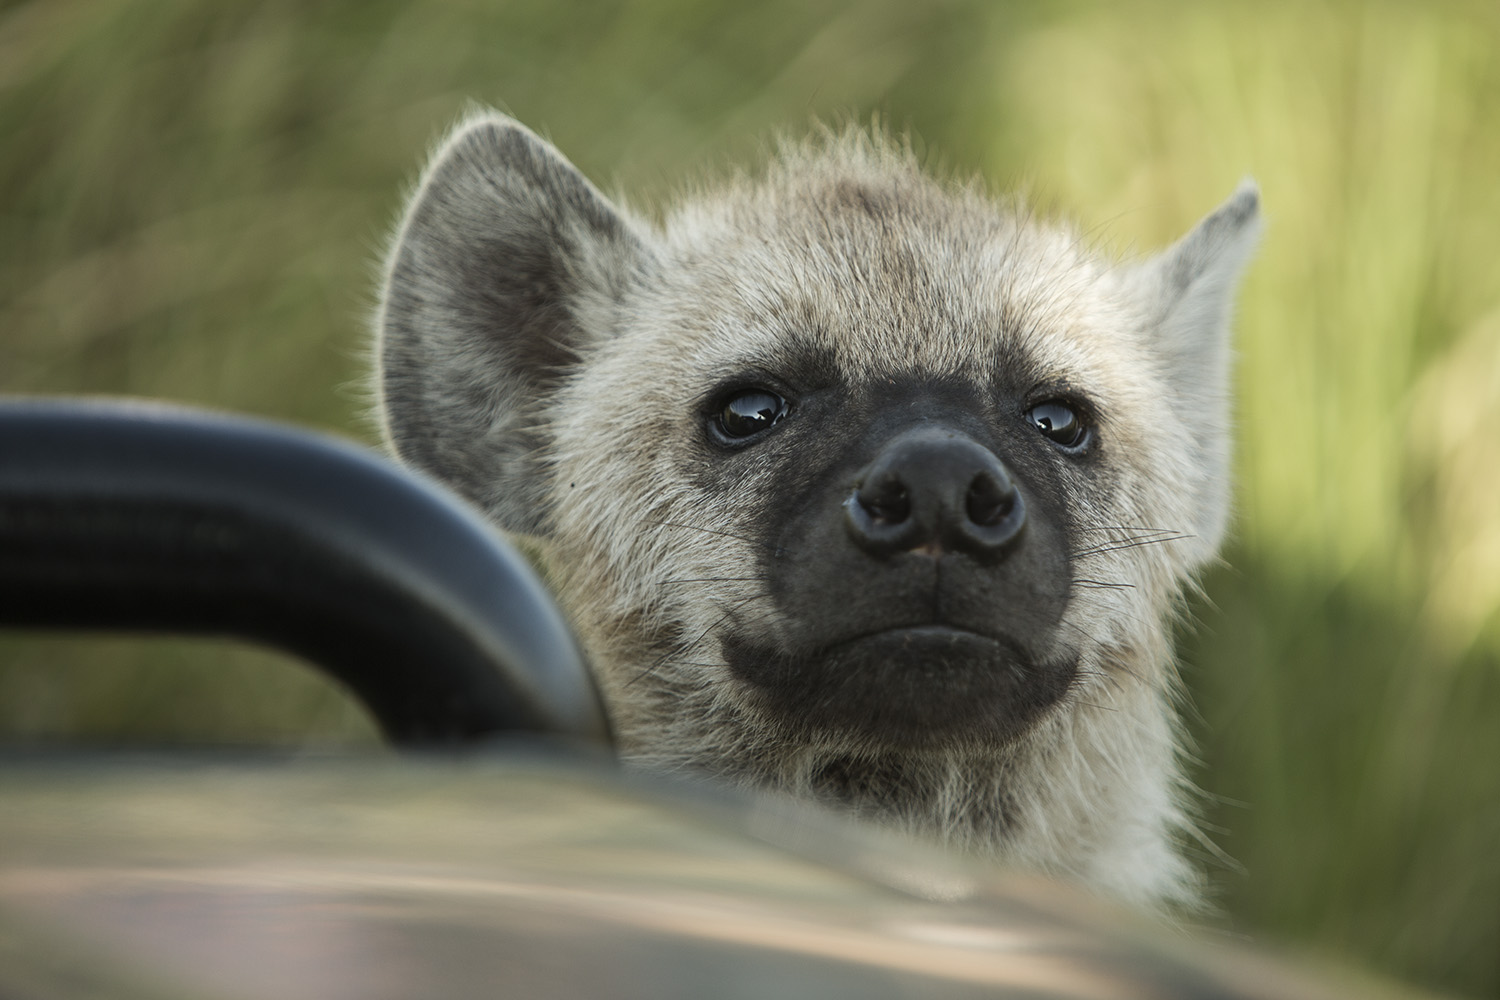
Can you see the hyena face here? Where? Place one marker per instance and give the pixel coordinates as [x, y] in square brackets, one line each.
[855, 485]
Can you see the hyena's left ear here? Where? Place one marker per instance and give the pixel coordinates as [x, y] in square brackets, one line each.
[508, 268]
[1187, 295]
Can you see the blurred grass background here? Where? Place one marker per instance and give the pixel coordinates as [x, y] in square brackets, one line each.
[193, 195]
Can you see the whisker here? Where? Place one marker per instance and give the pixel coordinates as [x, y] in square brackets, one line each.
[1102, 584]
[1115, 666]
[1143, 529]
[1128, 543]
[1109, 678]
[1095, 643]
[683, 647]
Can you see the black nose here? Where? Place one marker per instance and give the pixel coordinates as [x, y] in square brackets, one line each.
[935, 491]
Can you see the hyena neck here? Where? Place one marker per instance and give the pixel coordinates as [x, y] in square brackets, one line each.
[1110, 825]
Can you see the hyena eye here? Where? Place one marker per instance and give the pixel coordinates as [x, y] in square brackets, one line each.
[746, 413]
[1060, 423]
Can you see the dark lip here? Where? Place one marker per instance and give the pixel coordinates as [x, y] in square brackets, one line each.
[936, 630]
[915, 686]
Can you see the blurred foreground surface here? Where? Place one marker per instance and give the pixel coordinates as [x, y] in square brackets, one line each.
[195, 193]
[325, 881]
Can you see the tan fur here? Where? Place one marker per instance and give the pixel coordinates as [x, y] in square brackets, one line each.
[591, 438]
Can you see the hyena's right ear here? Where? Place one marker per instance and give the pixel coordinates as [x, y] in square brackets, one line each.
[508, 266]
[1186, 294]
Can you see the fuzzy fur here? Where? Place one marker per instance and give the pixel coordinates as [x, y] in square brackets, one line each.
[546, 353]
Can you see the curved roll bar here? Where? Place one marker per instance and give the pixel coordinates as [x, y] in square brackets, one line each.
[142, 517]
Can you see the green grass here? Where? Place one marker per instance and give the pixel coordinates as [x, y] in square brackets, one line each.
[195, 194]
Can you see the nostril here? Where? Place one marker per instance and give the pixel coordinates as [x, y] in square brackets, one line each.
[888, 508]
[885, 500]
[933, 492]
[989, 500]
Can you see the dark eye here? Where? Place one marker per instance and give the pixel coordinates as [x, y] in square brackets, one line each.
[747, 412]
[1060, 423]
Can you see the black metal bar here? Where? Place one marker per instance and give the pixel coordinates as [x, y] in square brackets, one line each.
[135, 516]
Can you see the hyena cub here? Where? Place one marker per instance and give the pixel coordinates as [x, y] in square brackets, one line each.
[856, 485]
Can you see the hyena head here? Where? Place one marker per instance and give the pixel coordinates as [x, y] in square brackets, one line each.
[855, 484]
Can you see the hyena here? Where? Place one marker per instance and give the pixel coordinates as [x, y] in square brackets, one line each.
[856, 484]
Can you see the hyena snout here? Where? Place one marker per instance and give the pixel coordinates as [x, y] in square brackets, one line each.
[932, 491]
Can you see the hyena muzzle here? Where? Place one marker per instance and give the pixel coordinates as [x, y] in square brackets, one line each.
[856, 485]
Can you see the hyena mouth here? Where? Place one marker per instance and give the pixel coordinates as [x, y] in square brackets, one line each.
[913, 686]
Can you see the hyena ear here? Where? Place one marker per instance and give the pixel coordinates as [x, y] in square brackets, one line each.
[508, 267]
[1187, 294]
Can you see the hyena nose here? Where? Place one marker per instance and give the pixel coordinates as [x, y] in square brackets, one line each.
[934, 491]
